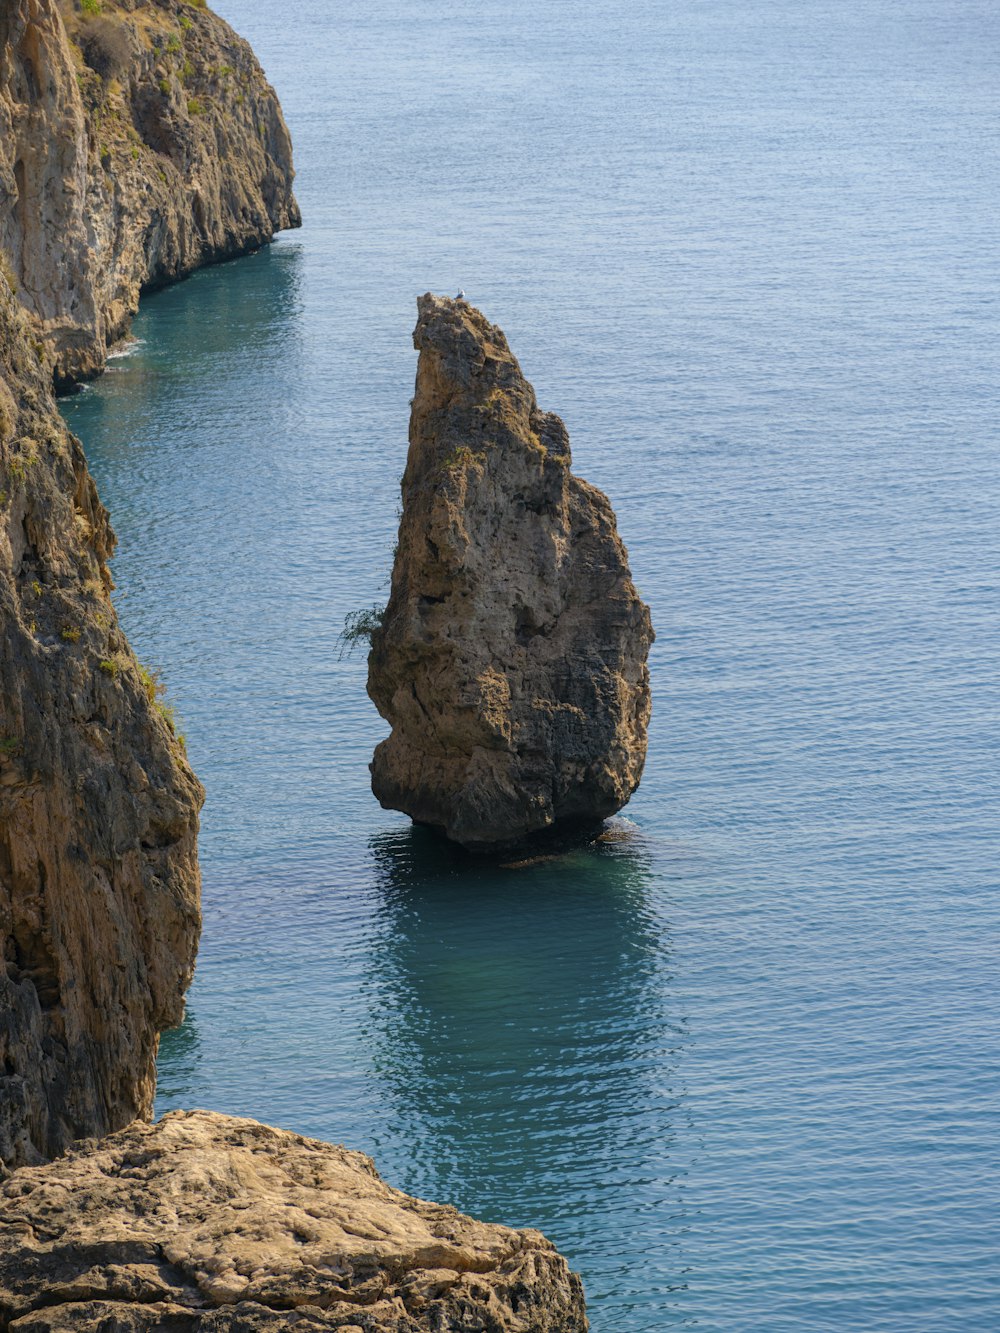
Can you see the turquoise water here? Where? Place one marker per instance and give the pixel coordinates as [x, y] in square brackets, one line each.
[744, 1067]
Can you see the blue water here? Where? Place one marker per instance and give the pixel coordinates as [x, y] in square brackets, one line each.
[745, 1067]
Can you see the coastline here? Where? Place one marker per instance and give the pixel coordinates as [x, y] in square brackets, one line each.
[99, 807]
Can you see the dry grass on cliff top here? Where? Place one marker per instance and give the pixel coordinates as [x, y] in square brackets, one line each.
[147, 17]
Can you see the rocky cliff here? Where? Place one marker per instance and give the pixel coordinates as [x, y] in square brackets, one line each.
[511, 658]
[208, 1223]
[139, 139]
[99, 881]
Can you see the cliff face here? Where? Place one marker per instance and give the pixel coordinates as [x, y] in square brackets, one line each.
[511, 659]
[99, 915]
[208, 1223]
[136, 144]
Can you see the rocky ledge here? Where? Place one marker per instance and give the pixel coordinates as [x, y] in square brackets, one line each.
[139, 140]
[511, 658]
[203, 1222]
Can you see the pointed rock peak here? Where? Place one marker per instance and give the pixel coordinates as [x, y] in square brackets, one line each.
[461, 337]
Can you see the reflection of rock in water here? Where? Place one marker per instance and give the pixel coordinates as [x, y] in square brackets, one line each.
[177, 1064]
[522, 1029]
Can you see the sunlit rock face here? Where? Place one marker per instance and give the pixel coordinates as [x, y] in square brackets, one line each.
[135, 145]
[207, 1223]
[511, 658]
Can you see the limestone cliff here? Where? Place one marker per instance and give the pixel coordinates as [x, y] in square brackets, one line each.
[208, 1223]
[511, 658]
[137, 142]
[138, 139]
[99, 914]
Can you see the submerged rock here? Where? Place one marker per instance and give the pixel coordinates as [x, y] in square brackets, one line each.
[99, 885]
[136, 144]
[511, 658]
[204, 1222]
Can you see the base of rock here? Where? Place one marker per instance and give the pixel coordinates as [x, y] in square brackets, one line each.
[208, 1223]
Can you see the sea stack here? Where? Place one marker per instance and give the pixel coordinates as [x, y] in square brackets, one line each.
[511, 657]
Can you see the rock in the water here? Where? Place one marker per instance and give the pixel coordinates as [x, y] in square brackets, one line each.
[511, 658]
[136, 144]
[99, 884]
[203, 1222]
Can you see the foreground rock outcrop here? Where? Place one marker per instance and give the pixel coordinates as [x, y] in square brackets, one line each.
[511, 658]
[99, 916]
[203, 1222]
[136, 144]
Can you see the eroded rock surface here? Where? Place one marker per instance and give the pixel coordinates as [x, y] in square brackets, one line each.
[99, 916]
[204, 1222]
[511, 659]
[136, 144]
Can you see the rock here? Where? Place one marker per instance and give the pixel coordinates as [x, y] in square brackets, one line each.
[203, 1222]
[135, 146]
[99, 916]
[511, 658]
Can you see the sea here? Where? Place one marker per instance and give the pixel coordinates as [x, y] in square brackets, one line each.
[741, 1064]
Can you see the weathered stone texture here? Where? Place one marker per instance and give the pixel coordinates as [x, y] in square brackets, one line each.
[511, 659]
[99, 884]
[135, 146]
[208, 1223]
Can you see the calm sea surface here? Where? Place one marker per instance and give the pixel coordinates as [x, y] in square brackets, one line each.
[745, 1067]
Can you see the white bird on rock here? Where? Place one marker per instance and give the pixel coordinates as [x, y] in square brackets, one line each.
[460, 296]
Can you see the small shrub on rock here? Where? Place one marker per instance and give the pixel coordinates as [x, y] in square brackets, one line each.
[106, 47]
[359, 626]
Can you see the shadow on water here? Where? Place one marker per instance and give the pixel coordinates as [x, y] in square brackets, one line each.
[521, 1034]
[178, 1060]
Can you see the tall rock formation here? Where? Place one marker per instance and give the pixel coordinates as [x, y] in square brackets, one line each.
[136, 143]
[206, 1224]
[99, 914]
[511, 658]
[138, 140]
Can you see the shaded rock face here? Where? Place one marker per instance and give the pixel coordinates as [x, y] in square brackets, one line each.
[135, 146]
[511, 658]
[99, 915]
[204, 1222]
